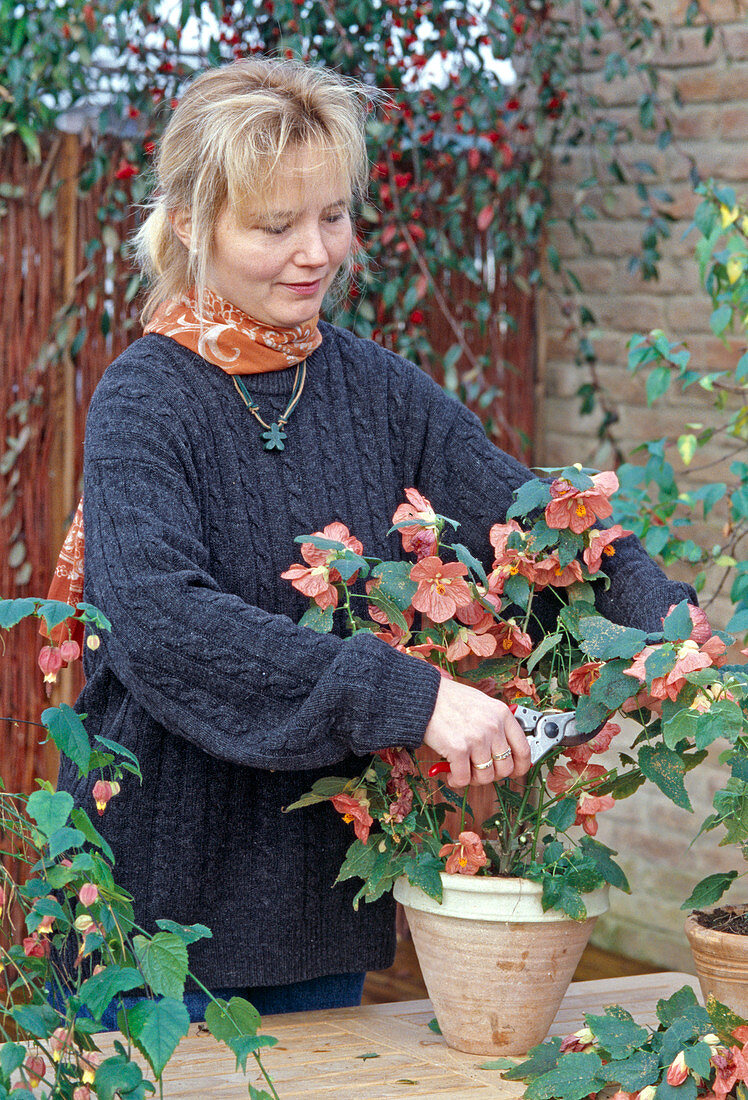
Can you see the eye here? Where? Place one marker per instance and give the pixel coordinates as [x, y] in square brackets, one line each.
[336, 217]
[275, 229]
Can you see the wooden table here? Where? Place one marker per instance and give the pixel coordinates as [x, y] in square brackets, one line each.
[329, 1054]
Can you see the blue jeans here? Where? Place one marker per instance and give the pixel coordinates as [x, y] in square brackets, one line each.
[332, 991]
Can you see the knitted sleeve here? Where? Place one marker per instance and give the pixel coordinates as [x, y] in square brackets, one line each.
[470, 480]
[245, 685]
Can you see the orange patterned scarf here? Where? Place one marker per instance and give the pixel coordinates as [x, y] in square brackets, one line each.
[229, 339]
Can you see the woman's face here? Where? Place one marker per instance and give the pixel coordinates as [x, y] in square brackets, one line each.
[276, 262]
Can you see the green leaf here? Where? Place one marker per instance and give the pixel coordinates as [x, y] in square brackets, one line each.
[609, 870]
[98, 990]
[540, 1060]
[678, 724]
[38, 1020]
[13, 611]
[434, 1026]
[558, 894]
[163, 961]
[562, 815]
[666, 770]
[533, 495]
[468, 559]
[720, 319]
[709, 890]
[50, 810]
[317, 619]
[322, 791]
[590, 715]
[517, 590]
[117, 1077]
[190, 933]
[574, 1078]
[498, 1063]
[12, 1056]
[636, 1072]
[424, 872]
[603, 640]
[82, 821]
[613, 687]
[395, 582]
[156, 1028]
[69, 734]
[232, 1019]
[658, 383]
[723, 719]
[698, 1058]
[93, 616]
[687, 1091]
[619, 1037]
[119, 750]
[54, 612]
[723, 1019]
[549, 642]
[677, 626]
[64, 839]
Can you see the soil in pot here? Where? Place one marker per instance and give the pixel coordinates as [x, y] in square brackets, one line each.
[719, 945]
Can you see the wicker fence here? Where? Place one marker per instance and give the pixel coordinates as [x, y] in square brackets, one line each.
[62, 273]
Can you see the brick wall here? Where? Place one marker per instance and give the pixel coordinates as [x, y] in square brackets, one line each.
[651, 835]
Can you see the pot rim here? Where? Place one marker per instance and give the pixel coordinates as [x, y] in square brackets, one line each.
[492, 898]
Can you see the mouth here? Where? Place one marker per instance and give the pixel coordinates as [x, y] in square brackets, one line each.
[304, 288]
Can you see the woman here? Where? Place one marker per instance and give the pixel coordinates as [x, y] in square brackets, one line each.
[235, 424]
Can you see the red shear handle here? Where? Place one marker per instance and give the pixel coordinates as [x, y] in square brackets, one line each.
[436, 769]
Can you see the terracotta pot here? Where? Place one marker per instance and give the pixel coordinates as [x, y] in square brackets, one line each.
[496, 966]
[721, 960]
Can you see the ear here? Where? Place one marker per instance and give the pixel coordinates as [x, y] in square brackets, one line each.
[182, 226]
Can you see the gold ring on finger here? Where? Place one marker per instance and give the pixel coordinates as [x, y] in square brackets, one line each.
[482, 767]
[501, 755]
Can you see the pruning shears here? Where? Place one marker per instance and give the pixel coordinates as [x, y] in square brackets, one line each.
[545, 731]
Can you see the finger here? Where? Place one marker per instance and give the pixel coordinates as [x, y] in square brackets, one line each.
[503, 761]
[460, 772]
[519, 745]
[483, 770]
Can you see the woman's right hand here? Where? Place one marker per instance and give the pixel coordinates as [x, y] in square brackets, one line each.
[469, 728]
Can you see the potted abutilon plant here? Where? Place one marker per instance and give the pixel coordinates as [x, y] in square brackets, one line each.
[501, 900]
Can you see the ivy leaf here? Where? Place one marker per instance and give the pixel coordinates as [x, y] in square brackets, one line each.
[574, 1078]
[666, 770]
[723, 719]
[687, 1091]
[54, 612]
[612, 687]
[69, 734]
[709, 890]
[163, 961]
[698, 1058]
[619, 1036]
[156, 1028]
[38, 1020]
[12, 1057]
[64, 839]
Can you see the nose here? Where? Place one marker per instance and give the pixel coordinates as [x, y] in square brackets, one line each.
[310, 247]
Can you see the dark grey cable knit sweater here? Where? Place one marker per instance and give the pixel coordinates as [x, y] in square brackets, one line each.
[232, 709]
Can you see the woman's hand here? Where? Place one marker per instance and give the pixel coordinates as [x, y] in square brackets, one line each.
[468, 729]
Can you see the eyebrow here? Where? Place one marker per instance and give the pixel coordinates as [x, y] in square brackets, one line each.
[292, 213]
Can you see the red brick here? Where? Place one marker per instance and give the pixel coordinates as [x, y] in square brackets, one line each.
[713, 85]
[629, 312]
[684, 46]
[736, 41]
[688, 314]
[733, 120]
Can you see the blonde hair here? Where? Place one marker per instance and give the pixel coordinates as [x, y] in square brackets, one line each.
[222, 147]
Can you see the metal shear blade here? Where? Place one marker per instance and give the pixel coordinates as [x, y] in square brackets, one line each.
[550, 730]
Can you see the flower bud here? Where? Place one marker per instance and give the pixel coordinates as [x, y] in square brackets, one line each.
[678, 1070]
[36, 1067]
[93, 641]
[70, 650]
[88, 893]
[50, 662]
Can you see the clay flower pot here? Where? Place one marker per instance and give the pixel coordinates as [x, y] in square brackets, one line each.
[496, 966]
[721, 960]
